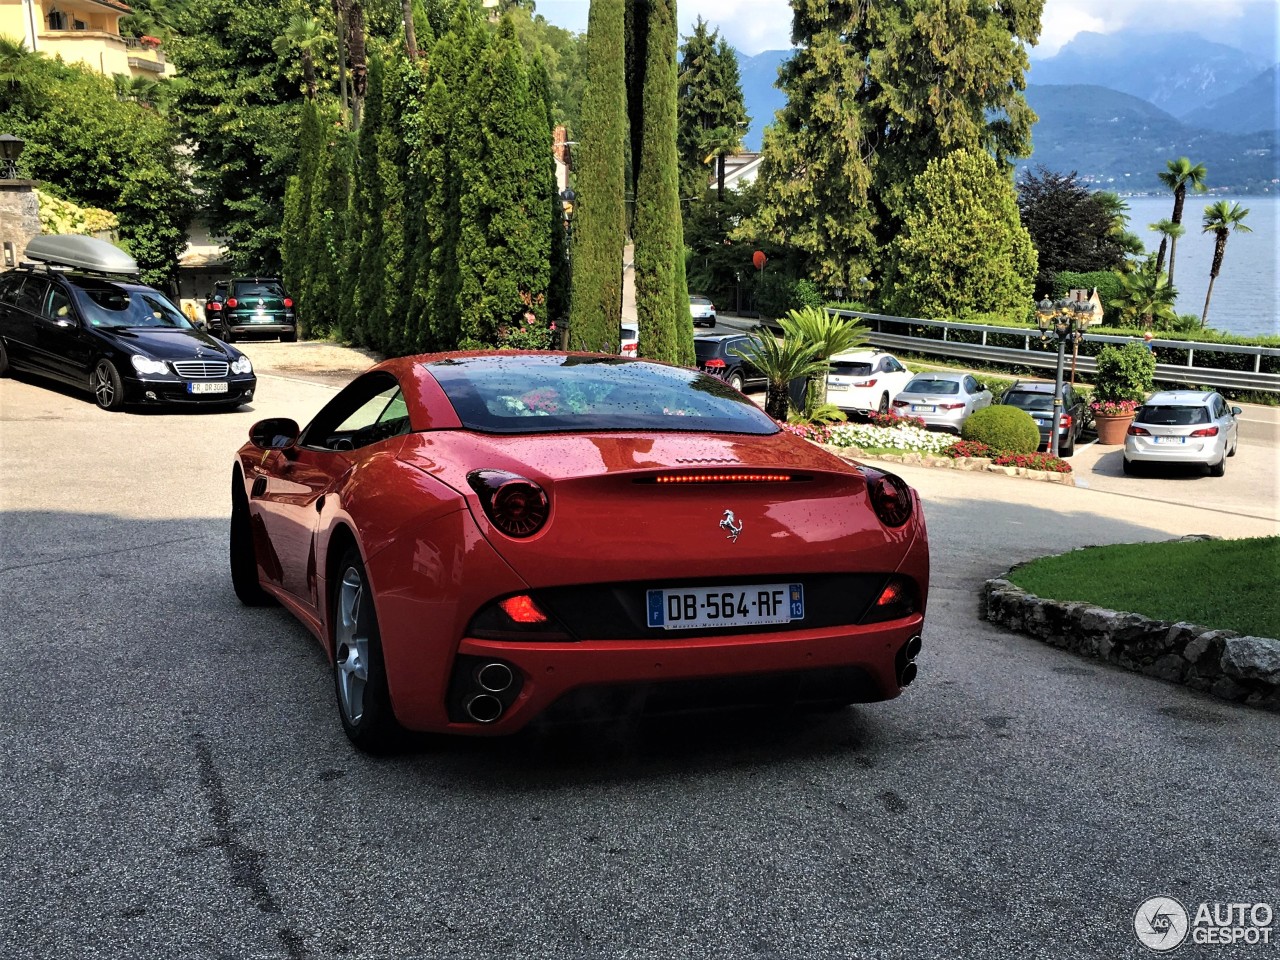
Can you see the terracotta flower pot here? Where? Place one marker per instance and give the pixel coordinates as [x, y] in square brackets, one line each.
[1111, 430]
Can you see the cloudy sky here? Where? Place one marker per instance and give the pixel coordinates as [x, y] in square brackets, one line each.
[755, 25]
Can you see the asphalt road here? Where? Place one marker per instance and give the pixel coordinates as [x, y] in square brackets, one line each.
[175, 783]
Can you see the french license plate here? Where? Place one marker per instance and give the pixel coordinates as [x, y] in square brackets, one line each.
[923, 408]
[1170, 439]
[214, 386]
[695, 608]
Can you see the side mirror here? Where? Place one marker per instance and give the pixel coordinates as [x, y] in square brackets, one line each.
[201, 325]
[276, 433]
[1236, 411]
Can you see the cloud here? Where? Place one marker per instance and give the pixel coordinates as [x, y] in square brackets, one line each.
[749, 26]
[1229, 21]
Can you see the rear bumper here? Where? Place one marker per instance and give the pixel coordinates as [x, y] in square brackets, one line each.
[1142, 450]
[274, 328]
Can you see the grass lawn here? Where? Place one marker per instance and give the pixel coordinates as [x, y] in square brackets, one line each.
[1221, 584]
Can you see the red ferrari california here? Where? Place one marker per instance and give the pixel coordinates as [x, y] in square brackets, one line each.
[478, 540]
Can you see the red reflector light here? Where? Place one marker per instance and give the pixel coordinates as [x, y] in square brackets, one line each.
[213, 307]
[288, 301]
[892, 593]
[232, 303]
[522, 609]
[1135, 431]
[715, 364]
[722, 478]
[1206, 432]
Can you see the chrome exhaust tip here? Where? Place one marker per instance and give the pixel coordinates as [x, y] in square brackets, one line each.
[483, 708]
[907, 675]
[494, 677]
[913, 647]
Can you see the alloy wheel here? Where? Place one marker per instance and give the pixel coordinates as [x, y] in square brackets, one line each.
[352, 646]
[104, 387]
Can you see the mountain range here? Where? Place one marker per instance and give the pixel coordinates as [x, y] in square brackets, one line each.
[1115, 107]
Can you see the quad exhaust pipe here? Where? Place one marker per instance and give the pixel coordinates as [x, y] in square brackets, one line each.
[492, 689]
[483, 707]
[906, 661]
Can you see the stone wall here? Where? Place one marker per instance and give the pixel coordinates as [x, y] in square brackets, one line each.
[19, 216]
[1220, 662]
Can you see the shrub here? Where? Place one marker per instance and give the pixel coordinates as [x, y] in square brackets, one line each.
[1004, 428]
[1124, 373]
[1033, 461]
[968, 448]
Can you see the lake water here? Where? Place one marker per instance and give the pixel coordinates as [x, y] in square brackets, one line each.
[1246, 299]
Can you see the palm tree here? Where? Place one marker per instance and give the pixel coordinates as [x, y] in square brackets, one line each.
[1168, 230]
[1222, 218]
[781, 361]
[306, 35]
[828, 332]
[1146, 296]
[1180, 175]
[16, 63]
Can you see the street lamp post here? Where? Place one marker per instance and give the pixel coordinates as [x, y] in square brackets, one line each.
[568, 199]
[10, 151]
[1064, 320]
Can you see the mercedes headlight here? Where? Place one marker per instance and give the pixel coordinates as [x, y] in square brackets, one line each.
[242, 365]
[147, 365]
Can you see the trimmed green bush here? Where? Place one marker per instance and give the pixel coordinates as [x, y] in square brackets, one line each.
[1004, 428]
[1124, 373]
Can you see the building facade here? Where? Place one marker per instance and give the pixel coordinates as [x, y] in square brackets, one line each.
[84, 31]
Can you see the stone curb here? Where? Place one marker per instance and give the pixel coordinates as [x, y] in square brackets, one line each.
[1221, 662]
[973, 464]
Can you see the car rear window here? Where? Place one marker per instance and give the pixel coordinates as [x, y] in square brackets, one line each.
[556, 394]
[706, 349]
[1171, 416]
[245, 289]
[1024, 400]
[846, 368]
[700, 301]
[929, 385]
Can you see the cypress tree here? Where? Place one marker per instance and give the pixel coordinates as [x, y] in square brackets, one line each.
[387, 277]
[504, 250]
[558, 283]
[297, 215]
[365, 321]
[712, 114]
[662, 303]
[327, 232]
[595, 316]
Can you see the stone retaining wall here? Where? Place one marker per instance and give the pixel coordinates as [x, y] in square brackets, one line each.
[981, 464]
[1220, 662]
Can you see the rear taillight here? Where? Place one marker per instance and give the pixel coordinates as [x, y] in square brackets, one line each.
[866, 383]
[1206, 432]
[715, 364]
[1064, 421]
[288, 302]
[951, 406]
[898, 599]
[213, 307]
[516, 506]
[902, 403]
[1135, 431]
[231, 303]
[890, 497]
[631, 348]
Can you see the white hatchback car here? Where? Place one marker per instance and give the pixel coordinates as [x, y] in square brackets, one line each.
[630, 340]
[1183, 426]
[865, 381]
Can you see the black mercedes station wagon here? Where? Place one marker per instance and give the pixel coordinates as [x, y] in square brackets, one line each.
[78, 316]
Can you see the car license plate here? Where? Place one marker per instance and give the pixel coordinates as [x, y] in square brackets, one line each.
[218, 386]
[923, 408]
[1170, 439]
[696, 608]
[1040, 421]
[839, 383]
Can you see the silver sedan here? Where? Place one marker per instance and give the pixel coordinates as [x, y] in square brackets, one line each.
[1183, 426]
[942, 399]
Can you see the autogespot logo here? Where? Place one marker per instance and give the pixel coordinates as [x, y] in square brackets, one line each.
[1161, 924]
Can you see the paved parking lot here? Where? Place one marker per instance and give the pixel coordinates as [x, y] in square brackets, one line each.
[175, 781]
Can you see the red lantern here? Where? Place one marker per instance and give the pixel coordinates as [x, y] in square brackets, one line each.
[759, 259]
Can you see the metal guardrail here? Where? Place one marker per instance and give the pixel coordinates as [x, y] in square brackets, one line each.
[1188, 374]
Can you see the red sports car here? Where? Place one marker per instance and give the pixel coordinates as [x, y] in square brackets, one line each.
[478, 540]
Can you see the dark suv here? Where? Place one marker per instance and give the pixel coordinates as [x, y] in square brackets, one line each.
[715, 354]
[1036, 398]
[250, 306]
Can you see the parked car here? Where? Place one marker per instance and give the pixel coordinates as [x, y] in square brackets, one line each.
[942, 399]
[865, 381]
[630, 340]
[702, 310]
[1036, 398]
[716, 354]
[251, 306]
[478, 541]
[79, 316]
[1183, 426]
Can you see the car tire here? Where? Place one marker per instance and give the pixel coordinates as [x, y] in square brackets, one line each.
[1219, 469]
[736, 381]
[4, 360]
[1069, 449]
[359, 673]
[884, 404]
[107, 387]
[1230, 453]
[227, 336]
[289, 337]
[244, 563]
[1130, 468]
